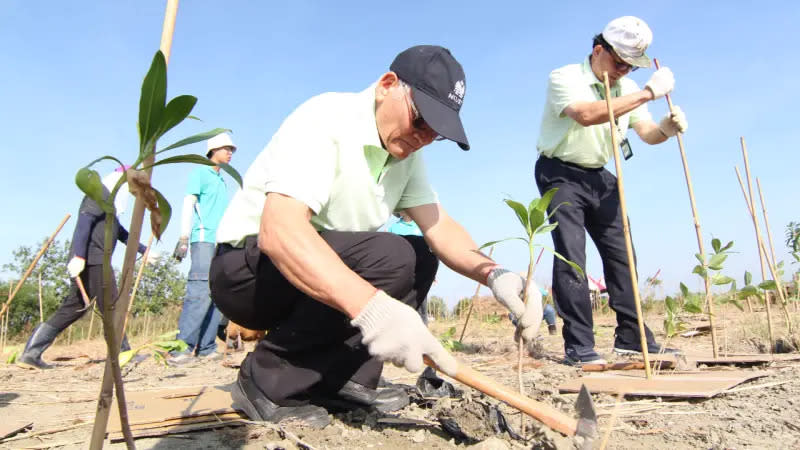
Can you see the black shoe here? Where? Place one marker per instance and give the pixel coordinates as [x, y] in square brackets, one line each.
[250, 400]
[40, 340]
[636, 349]
[353, 396]
[552, 330]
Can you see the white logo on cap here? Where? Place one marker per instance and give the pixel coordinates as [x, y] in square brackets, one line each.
[458, 92]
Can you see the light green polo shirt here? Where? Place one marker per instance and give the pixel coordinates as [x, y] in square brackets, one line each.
[327, 154]
[563, 138]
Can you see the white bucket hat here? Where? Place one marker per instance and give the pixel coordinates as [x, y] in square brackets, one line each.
[629, 36]
[219, 141]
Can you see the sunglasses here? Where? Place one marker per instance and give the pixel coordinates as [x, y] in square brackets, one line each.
[417, 121]
[618, 62]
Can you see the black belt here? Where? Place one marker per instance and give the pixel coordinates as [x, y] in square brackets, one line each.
[576, 166]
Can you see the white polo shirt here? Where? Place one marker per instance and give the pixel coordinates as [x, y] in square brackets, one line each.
[563, 138]
[328, 155]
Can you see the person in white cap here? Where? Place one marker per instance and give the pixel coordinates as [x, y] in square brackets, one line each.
[574, 146]
[205, 202]
[86, 262]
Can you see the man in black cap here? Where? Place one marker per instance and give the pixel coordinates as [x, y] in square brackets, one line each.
[298, 252]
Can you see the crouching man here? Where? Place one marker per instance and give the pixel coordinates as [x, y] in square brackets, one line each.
[298, 252]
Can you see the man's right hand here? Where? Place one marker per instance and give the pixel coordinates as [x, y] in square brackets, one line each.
[393, 331]
[507, 287]
[661, 83]
[75, 266]
[181, 248]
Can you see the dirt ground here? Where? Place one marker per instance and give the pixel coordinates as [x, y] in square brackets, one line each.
[763, 416]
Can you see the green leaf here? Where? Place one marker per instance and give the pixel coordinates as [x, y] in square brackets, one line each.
[670, 303]
[194, 118]
[232, 172]
[700, 271]
[544, 202]
[194, 139]
[748, 278]
[748, 291]
[89, 182]
[126, 357]
[727, 246]
[166, 212]
[700, 258]
[176, 111]
[768, 285]
[537, 219]
[684, 291]
[553, 211]
[719, 279]
[152, 100]
[716, 261]
[542, 229]
[716, 245]
[693, 307]
[168, 335]
[491, 243]
[521, 212]
[12, 358]
[571, 264]
[737, 304]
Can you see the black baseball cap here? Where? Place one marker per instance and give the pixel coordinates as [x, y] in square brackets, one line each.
[438, 85]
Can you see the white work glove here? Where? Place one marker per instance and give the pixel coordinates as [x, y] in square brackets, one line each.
[154, 256]
[393, 331]
[507, 289]
[661, 83]
[75, 266]
[674, 123]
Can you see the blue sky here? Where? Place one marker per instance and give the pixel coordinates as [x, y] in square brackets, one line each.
[72, 73]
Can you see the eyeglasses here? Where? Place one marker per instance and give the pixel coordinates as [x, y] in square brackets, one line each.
[620, 64]
[417, 121]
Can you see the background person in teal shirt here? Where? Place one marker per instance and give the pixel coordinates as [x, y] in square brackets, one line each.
[205, 202]
[405, 226]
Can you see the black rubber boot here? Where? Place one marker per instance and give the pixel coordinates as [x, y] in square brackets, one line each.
[40, 340]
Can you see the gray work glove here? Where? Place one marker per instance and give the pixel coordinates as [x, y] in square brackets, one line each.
[393, 331]
[181, 248]
[674, 122]
[75, 266]
[507, 289]
[661, 83]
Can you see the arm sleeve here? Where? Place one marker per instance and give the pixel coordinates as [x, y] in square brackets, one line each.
[80, 237]
[186, 214]
[562, 91]
[418, 191]
[640, 113]
[122, 236]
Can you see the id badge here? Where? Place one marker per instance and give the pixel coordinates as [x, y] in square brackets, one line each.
[625, 148]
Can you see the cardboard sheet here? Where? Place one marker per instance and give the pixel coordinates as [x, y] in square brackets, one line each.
[685, 384]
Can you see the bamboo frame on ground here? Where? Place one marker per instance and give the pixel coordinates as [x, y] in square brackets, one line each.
[698, 232]
[627, 230]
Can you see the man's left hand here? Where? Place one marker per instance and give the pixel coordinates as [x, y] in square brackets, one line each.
[674, 123]
[507, 288]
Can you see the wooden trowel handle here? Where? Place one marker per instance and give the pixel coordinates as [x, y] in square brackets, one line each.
[542, 412]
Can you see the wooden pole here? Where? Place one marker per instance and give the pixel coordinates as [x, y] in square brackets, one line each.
[33, 264]
[785, 301]
[106, 389]
[41, 310]
[698, 232]
[136, 283]
[627, 230]
[472, 303]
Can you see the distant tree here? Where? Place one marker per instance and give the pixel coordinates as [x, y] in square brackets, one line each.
[462, 306]
[437, 308]
[162, 285]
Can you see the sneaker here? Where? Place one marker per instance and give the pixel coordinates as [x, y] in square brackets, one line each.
[652, 348]
[572, 358]
[213, 356]
[251, 401]
[182, 359]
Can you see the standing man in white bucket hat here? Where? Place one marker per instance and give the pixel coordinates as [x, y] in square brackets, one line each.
[574, 147]
[205, 202]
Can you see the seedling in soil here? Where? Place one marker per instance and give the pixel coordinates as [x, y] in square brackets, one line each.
[449, 341]
[161, 346]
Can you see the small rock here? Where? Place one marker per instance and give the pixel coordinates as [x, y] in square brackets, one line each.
[418, 436]
[492, 443]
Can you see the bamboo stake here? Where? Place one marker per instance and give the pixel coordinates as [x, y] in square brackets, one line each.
[41, 310]
[521, 350]
[136, 283]
[472, 303]
[33, 264]
[134, 233]
[784, 303]
[698, 232]
[626, 228]
[752, 212]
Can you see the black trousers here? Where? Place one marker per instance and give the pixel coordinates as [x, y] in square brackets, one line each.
[310, 348]
[72, 305]
[594, 206]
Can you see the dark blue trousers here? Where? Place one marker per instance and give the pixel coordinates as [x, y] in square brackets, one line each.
[594, 207]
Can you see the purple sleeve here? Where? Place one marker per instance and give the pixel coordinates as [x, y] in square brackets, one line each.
[122, 236]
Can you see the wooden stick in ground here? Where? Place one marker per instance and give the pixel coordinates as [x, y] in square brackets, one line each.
[136, 283]
[472, 303]
[627, 231]
[134, 233]
[614, 413]
[41, 310]
[542, 412]
[784, 302]
[33, 264]
[698, 232]
[752, 211]
[521, 350]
